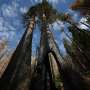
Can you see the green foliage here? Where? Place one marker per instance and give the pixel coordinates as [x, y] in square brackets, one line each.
[58, 82]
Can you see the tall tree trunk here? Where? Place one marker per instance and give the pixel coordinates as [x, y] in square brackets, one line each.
[54, 50]
[47, 44]
[18, 74]
[40, 83]
[55, 72]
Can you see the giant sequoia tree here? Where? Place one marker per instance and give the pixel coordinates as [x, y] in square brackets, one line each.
[53, 71]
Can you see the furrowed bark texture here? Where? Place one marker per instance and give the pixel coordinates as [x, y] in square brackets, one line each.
[18, 74]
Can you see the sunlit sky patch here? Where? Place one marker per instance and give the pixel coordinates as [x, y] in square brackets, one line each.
[11, 26]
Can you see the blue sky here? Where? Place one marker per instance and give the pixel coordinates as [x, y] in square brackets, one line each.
[11, 26]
